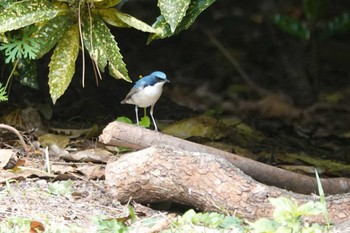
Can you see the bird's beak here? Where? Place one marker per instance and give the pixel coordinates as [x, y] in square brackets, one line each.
[167, 81]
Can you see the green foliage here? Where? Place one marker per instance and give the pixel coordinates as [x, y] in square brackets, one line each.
[61, 188]
[287, 217]
[322, 198]
[16, 224]
[110, 225]
[314, 11]
[163, 26]
[3, 96]
[62, 65]
[209, 219]
[292, 26]
[124, 119]
[21, 47]
[173, 11]
[144, 122]
[56, 22]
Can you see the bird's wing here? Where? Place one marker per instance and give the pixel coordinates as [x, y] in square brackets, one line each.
[133, 90]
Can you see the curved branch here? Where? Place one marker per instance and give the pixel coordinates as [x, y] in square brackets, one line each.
[14, 130]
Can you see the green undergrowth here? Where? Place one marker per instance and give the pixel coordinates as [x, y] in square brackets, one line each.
[287, 217]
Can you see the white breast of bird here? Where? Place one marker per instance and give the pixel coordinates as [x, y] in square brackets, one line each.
[148, 96]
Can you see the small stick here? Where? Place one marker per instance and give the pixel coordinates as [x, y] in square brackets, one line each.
[47, 160]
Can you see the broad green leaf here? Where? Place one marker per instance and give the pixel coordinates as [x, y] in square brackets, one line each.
[116, 18]
[23, 13]
[173, 11]
[62, 65]
[163, 29]
[105, 3]
[135, 23]
[110, 16]
[310, 208]
[124, 119]
[292, 26]
[145, 122]
[103, 48]
[94, 44]
[265, 225]
[50, 32]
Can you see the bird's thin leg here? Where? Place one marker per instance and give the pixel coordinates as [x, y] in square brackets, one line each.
[154, 122]
[137, 114]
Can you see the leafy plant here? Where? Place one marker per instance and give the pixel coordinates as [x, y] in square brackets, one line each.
[3, 96]
[313, 25]
[287, 217]
[209, 219]
[145, 121]
[313, 29]
[31, 28]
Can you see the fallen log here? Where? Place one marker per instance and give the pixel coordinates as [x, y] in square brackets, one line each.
[204, 181]
[121, 134]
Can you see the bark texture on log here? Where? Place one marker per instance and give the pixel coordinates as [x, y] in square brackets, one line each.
[120, 134]
[204, 181]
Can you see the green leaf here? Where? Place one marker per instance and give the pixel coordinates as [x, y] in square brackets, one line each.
[24, 47]
[61, 187]
[3, 96]
[103, 48]
[163, 29]
[145, 122]
[124, 119]
[310, 208]
[110, 16]
[24, 13]
[173, 11]
[338, 24]
[285, 209]
[265, 225]
[292, 26]
[116, 18]
[50, 32]
[105, 3]
[62, 65]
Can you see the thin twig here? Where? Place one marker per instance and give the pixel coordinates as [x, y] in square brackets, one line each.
[14, 130]
[235, 63]
[47, 160]
[82, 47]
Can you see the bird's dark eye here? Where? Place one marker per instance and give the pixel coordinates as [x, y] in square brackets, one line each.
[158, 78]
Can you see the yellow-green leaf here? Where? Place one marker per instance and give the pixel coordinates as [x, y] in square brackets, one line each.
[105, 3]
[24, 13]
[109, 16]
[50, 32]
[62, 65]
[119, 19]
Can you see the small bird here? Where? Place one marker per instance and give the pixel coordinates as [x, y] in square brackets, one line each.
[146, 92]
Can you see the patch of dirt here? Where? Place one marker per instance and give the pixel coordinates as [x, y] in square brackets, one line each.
[32, 199]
